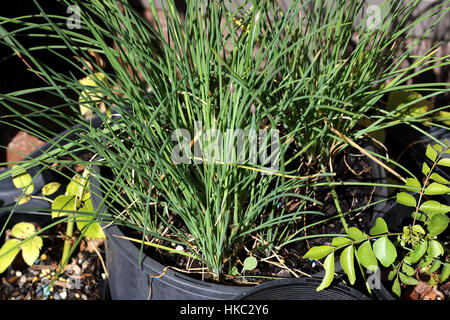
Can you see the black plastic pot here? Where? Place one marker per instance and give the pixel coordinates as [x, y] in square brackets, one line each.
[129, 280]
[299, 289]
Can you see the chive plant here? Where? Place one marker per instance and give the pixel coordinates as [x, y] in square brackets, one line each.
[212, 107]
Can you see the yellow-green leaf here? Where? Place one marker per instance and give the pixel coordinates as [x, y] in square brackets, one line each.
[438, 178]
[250, 263]
[23, 230]
[396, 289]
[380, 227]
[385, 251]
[90, 228]
[435, 249]
[444, 162]
[366, 257]
[50, 188]
[22, 179]
[408, 280]
[356, 234]
[6, 258]
[406, 199]
[413, 182]
[436, 189]
[318, 252]
[399, 98]
[438, 223]
[419, 251]
[340, 241]
[328, 264]
[432, 207]
[347, 263]
[78, 187]
[31, 249]
[63, 203]
[23, 199]
[431, 153]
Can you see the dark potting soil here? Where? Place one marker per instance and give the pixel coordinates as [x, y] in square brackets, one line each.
[82, 279]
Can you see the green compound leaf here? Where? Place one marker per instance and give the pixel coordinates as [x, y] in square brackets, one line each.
[380, 227]
[250, 263]
[50, 188]
[407, 279]
[340, 241]
[438, 223]
[419, 251]
[347, 263]
[328, 264]
[318, 252]
[6, 258]
[366, 256]
[356, 234]
[31, 249]
[436, 189]
[385, 251]
[406, 199]
[22, 179]
[63, 203]
[23, 230]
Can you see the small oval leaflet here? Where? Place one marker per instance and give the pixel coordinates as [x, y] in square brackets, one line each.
[250, 263]
[50, 188]
[23, 230]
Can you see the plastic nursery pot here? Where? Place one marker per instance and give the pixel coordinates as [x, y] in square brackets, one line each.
[299, 289]
[131, 280]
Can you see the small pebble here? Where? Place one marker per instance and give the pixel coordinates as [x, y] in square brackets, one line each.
[85, 264]
[46, 290]
[84, 297]
[18, 273]
[179, 248]
[35, 279]
[22, 280]
[77, 296]
[43, 257]
[313, 264]
[56, 296]
[63, 295]
[53, 273]
[103, 276]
